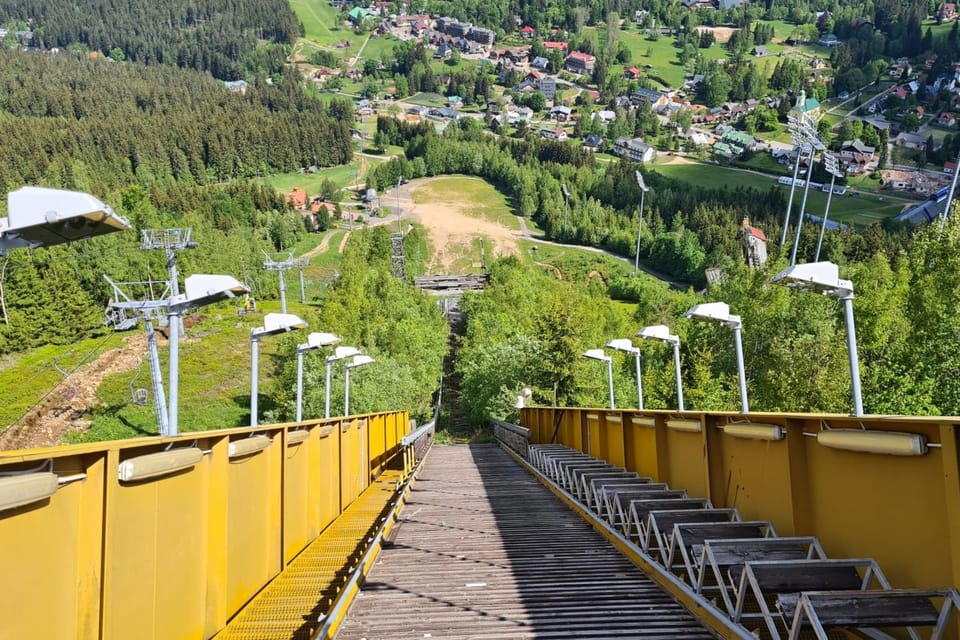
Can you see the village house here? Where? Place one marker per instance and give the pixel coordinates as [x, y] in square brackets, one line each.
[656, 99]
[551, 45]
[561, 113]
[540, 63]
[631, 73]
[856, 158]
[553, 133]
[947, 119]
[527, 32]
[297, 198]
[910, 141]
[592, 142]
[946, 11]
[578, 62]
[754, 245]
[634, 149]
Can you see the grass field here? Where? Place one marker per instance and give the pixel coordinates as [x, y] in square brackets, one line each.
[855, 209]
[484, 200]
[322, 25]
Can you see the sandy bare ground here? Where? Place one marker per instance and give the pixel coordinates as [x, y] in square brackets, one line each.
[65, 408]
[451, 229]
[720, 34]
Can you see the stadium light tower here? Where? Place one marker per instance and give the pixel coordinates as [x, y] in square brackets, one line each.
[358, 361]
[643, 190]
[566, 198]
[41, 217]
[808, 132]
[833, 167]
[273, 324]
[338, 354]
[314, 341]
[824, 278]
[598, 354]
[625, 345]
[662, 333]
[719, 312]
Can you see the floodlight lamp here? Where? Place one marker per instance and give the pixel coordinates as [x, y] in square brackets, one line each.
[203, 289]
[343, 352]
[318, 340]
[566, 192]
[359, 361]
[20, 490]
[817, 277]
[659, 332]
[623, 344]
[640, 182]
[596, 354]
[274, 323]
[714, 312]
[38, 216]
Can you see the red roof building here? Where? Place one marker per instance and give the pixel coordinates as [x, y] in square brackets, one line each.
[527, 31]
[559, 46]
[298, 198]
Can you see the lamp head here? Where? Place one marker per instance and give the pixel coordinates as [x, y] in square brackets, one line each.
[274, 323]
[623, 344]
[659, 332]
[818, 277]
[203, 289]
[640, 182]
[359, 361]
[342, 352]
[319, 340]
[718, 312]
[38, 216]
[596, 354]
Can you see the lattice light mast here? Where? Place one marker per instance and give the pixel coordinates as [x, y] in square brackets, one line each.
[832, 164]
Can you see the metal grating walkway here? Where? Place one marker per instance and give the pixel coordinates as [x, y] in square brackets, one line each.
[484, 551]
[291, 605]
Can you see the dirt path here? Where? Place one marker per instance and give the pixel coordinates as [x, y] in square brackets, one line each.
[451, 229]
[343, 243]
[65, 408]
[323, 246]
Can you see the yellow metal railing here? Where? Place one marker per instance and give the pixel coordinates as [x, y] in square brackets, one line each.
[902, 510]
[176, 555]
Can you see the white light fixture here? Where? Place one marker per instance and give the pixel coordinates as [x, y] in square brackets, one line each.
[273, 324]
[662, 333]
[719, 312]
[754, 431]
[297, 436]
[248, 446]
[824, 278]
[338, 354]
[625, 345]
[199, 290]
[598, 354]
[683, 424]
[17, 491]
[314, 341]
[887, 442]
[153, 465]
[38, 216]
[358, 361]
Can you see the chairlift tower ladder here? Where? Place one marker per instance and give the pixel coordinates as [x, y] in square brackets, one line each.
[399, 260]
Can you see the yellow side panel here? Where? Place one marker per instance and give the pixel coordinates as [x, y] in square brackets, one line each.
[324, 475]
[155, 568]
[299, 501]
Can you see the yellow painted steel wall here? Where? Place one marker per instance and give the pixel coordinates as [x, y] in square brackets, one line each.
[903, 511]
[175, 556]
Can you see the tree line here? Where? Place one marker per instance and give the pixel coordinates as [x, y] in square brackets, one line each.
[72, 122]
[210, 35]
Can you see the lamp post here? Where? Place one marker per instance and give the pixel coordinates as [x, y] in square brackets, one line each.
[273, 324]
[824, 278]
[338, 354]
[314, 341]
[625, 345]
[358, 361]
[598, 354]
[662, 333]
[719, 312]
[199, 290]
[833, 166]
[566, 197]
[643, 190]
